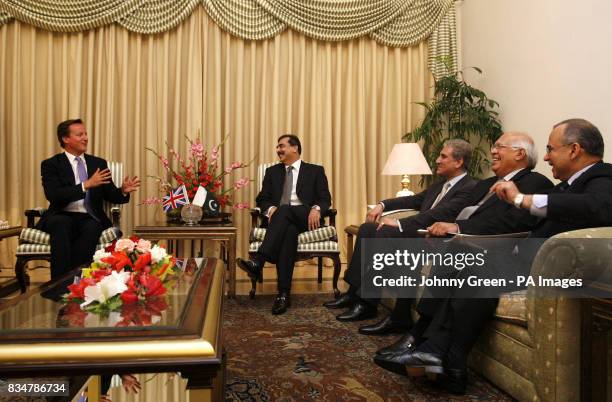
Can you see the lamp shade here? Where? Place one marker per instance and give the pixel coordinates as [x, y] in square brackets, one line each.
[406, 158]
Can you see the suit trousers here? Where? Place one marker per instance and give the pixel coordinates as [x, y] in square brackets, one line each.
[74, 237]
[280, 243]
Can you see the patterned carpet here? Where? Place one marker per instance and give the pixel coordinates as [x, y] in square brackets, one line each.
[306, 354]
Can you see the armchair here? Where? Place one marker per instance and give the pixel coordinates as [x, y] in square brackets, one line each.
[34, 244]
[320, 243]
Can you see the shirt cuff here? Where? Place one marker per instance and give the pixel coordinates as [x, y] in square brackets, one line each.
[383, 205]
[268, 211]
[539, 205]
[318, 208]
[399, 225]
[83, 187]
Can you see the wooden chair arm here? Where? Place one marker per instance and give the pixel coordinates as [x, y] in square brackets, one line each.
[32, 214]
[116, 216]
[331, 214]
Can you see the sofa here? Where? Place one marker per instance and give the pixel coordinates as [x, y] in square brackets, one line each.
[531, 347]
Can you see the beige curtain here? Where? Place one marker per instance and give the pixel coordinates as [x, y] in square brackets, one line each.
[349, 102]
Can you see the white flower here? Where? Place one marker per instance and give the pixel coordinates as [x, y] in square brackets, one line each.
[100, 254]
[125, 245]
[105, 289]
[157, 254]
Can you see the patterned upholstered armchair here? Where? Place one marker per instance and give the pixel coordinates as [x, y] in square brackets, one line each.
[34, 244]
[320, 243]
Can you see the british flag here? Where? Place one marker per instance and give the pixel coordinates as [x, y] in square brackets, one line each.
[175, 198]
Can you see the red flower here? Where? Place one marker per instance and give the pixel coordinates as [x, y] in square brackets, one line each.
[129, 296]
[142, 261]
[153, 285]
[77, 290]
[111, 247]
[118, 260]
[134, 238]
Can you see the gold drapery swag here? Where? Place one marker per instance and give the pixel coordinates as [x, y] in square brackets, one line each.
[395, 23]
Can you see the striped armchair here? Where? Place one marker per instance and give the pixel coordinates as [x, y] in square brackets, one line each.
[320, 243]
[34, 244]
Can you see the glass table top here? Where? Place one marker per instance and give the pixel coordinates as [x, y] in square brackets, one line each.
[44, 311]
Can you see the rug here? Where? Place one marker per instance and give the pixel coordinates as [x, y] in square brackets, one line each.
[306, 354]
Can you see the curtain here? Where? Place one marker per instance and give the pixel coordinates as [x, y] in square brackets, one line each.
[349, 102]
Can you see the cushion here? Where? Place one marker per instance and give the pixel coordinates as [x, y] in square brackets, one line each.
[512, 308]
[307, 247]
[36, 241]
[312, 236]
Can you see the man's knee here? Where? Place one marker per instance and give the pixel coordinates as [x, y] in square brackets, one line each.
[367, 229]
[91, 227]
[57, 223]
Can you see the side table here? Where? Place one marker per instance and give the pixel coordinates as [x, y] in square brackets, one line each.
[350, 231]
[225, 233]
[11, 285]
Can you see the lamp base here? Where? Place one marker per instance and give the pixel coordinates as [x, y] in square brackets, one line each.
[404, 193]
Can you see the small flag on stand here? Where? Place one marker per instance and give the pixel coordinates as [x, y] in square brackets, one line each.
[175, 198]
[207, 201]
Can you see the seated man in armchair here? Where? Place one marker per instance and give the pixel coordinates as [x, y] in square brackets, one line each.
[294, 196]
[75, 184]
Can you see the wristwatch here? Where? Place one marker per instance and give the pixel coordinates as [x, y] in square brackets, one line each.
[518, 200]
[318, 208]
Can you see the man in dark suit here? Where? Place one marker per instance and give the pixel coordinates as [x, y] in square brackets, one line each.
[75, 184]
[443, 200]
[294, 196]
[513, 157]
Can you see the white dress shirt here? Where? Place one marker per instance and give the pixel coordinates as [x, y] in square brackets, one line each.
[294, 199]
[79, 205]
[539, 202]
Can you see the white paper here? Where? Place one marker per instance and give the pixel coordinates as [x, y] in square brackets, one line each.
[200, 196]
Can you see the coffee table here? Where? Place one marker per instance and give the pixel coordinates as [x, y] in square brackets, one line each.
[10, 285]
[42, 337]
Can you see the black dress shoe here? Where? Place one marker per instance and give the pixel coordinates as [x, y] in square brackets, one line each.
[346, 300]
[281, 303]
[421, 363]
[386, 326]
[395, 363]
[252, 268]
[360, 311]
[453, 380]
[404, 344]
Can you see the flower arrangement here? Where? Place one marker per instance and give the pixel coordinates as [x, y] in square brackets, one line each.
[199, 169]
[129, 272]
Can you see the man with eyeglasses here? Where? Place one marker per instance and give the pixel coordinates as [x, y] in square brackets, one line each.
[433, 342]
[583, 198]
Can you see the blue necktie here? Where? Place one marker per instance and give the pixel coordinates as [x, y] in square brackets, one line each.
[83, 177]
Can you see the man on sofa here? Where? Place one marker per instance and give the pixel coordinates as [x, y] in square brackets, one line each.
[441, 201]
[582, 199]
[513, 157]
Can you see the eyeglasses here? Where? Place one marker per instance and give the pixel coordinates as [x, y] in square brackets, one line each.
[549, 148]
[500, 146]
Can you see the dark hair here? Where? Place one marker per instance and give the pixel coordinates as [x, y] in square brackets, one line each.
[293, 141]
[584, 133]
[461, 150]
[63, 129]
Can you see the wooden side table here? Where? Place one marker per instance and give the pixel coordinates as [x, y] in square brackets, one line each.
[11, 285]
[223, 233]
[596, 320]
[350, 231]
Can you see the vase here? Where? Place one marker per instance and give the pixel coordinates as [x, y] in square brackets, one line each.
[191, 214]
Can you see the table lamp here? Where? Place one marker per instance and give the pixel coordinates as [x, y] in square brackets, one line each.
[406, 159]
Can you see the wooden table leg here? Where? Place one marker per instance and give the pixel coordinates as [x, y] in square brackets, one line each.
[231, 265]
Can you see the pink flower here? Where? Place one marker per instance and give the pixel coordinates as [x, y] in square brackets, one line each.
[164, 162]
[233, 166]
[197, 150]
[125, 245]
[214, 154]
[241, 183]
[143, 246]
[241, 205]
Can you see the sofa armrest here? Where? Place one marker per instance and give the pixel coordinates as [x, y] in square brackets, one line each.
[554, 321]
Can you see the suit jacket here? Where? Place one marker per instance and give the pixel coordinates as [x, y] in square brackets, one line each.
[312, 188]
[498, 217]
[457, 198]
[60, 187]
[586, 203]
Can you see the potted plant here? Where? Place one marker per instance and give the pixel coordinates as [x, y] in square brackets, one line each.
[458, 110]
